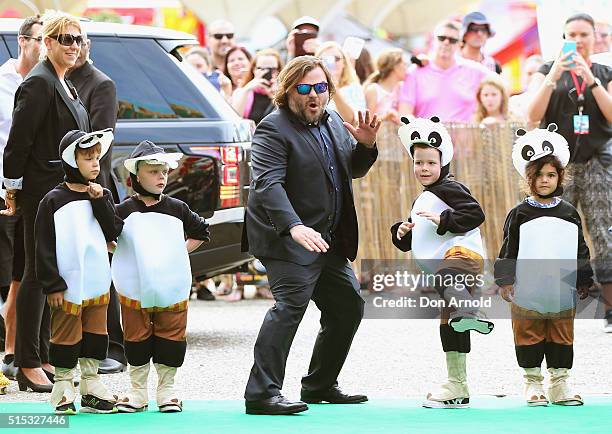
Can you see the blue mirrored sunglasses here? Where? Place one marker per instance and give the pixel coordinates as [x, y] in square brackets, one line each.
[304, 89]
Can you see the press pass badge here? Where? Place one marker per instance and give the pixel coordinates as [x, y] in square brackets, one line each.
[581, 124]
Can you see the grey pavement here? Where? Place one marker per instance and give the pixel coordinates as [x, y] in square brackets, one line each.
[389, 359]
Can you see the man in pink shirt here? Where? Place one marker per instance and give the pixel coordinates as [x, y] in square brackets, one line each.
[446, 87]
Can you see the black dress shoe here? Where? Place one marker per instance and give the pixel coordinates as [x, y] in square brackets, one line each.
[51, 377]
[8, 366]
[24, 384]
[275, 405]
[205, 294]
[2, 334]
[333, 395]
[110, 366]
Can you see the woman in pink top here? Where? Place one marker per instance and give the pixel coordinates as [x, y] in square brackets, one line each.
[446, 86]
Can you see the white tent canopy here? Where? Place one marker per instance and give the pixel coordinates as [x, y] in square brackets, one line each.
[31, 7]
[400, 17]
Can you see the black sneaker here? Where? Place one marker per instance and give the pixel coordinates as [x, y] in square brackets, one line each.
[66, 409]
[608, 322]
[92, 404]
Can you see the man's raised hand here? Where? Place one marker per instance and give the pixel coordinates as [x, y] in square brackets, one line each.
[366, 130]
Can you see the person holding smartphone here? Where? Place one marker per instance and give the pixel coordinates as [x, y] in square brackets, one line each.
[576, 94]
[254, 100]
[302, 39]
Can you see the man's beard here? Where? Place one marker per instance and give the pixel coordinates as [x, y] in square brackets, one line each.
[300, 109]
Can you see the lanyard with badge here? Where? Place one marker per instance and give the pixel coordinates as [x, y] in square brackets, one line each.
[581, 122]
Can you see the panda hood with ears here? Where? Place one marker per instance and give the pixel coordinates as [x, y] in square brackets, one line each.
[535, 144]
[430, 132]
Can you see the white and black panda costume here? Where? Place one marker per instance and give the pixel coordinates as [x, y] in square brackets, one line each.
[152, 275]
[71, 233]
[545, 257]
[453, 247]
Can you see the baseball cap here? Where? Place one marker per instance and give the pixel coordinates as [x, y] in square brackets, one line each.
[306, 20]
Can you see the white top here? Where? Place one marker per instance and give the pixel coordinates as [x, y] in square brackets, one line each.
[82, 261]
[385, 100]
[547, 284]
[155, 273]
[427, 246]
[354, 96]
[603, 58]
[10, 80]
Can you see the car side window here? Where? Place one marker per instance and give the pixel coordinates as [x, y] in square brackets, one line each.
[149, 84]
[8, 48]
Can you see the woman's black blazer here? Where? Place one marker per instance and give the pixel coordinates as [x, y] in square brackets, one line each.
[42, 115]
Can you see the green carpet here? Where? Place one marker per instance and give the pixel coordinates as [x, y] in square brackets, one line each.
[487, 415]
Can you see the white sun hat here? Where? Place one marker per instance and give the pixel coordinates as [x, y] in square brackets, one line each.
[150, 153]
[86, 140]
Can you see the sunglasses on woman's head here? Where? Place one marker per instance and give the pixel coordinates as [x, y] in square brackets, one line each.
[67, 39]
[450, 40]
[304, 89]
[220, 36]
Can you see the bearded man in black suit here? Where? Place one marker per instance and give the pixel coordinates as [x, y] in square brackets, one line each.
[301, 223]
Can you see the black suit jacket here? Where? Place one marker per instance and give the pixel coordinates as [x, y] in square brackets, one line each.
[42, 115]
[291, 183]
[99, 95]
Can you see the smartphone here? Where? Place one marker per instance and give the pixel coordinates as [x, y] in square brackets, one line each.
[352, 46]
[267, 75]
[569, 46]
[213, 78]
[299, 39]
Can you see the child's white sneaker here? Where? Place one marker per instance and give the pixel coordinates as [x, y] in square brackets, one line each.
[559, 392]
[534, 390]
[63, 393]
[454, 393]
[137, 399]
[167, 400]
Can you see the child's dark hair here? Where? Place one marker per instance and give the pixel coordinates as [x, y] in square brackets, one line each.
[88, 152]
[533, 168]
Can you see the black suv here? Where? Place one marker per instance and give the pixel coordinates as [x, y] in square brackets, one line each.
[166, 101]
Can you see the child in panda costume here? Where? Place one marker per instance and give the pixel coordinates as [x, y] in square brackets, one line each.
[74, 223]
[541, 262]
[152, 275]
[443, 234]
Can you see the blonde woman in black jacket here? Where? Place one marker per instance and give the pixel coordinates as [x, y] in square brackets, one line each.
[46, 107]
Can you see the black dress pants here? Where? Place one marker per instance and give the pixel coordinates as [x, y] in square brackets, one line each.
[116, 349]
[331, 283]
[32, 311]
